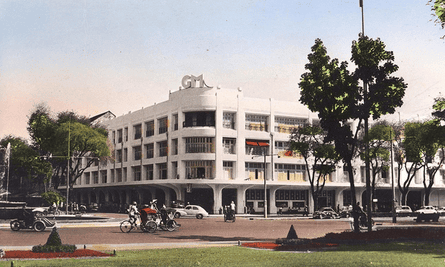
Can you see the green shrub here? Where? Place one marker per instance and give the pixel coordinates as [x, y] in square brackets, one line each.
[54, 244]
[53, 197]
[61, 248]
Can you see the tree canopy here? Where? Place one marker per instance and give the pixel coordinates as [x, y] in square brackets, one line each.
[320, 157]
[438, 9]
[342, 104]
[67, 136]
[25, 163]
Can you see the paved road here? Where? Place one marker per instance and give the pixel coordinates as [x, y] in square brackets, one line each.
[212, 229]
[106, 234]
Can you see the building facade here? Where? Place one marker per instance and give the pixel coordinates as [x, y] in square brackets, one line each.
[210, 146]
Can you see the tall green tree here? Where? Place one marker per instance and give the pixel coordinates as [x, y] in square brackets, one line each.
[378, 138]
[320, 158]
[331, 90]
[411, 158]
[69, 142]
[433, 154]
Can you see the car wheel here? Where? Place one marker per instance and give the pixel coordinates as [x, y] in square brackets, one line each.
[15, 225]
[39, 226]
[177, 215]
[199, 216]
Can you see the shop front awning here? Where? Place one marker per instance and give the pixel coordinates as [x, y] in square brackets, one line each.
[257, 143]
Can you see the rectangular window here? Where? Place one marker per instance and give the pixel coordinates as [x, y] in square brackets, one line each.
[137, 173]
[125, 154]
[87, 178]
[126, 134]
[174, 146]
[199, 119]
[124, 174]
[103, 177]
[149, 128]
[288, 125]
[199, 145]
[149, 172]
[175, 122]
[137, 152]
[229, 120]
[95, 177]
[119, 155]
[119, 175]
[290, 172]
[256, 123]
[119, 136]
[257, 147]
[137, 130]
[228, 170]
[113, 137]
[199, 169]
[149, 151]
[163, 148]
[229, 145]
[112, 176]
[163, 125]
[162, 167]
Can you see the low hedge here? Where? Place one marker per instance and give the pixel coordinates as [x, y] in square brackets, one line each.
[61, 248]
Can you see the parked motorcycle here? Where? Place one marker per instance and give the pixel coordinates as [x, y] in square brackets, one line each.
[31, 221]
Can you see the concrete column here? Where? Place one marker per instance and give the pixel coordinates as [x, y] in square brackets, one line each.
[273, 207]
[217, 198]
[310, 203]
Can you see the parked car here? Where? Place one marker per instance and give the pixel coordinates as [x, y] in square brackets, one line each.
[426, 210]
[93, 207]
[346, 212]
[427, 213]
[441, 210]
[193, 210]
[178, 212]
[326, 213]
[403, 209]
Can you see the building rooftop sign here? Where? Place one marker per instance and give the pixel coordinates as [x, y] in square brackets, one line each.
[189, 81]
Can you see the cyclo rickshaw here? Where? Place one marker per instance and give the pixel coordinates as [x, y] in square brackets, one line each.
[229, 214]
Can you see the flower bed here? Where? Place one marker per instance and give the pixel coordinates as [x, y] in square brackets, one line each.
[79, 253]
[332, 240]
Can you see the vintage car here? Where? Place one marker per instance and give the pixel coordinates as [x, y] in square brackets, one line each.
[326, 213]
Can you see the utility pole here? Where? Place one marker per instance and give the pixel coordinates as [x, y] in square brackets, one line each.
[366, 104]
[68, 167]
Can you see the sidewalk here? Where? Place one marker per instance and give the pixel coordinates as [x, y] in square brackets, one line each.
[140, 246]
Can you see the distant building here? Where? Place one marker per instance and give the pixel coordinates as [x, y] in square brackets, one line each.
[205, 145]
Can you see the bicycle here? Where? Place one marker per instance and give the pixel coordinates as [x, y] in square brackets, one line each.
[130, 224]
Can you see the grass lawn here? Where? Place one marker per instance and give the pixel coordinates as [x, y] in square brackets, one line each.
[389, 254]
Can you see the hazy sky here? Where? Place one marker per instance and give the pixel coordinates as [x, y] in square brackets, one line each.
[92, 56]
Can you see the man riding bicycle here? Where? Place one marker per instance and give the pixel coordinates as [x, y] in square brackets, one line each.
[132, 212]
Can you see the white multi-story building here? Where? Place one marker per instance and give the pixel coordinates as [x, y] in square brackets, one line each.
[208, 146]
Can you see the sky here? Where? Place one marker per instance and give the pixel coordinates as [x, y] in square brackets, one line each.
[93, 56]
